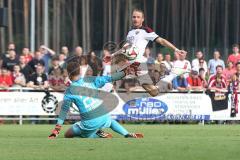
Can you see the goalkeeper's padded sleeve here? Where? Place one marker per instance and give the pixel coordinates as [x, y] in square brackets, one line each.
[64, 110]
[102, 80]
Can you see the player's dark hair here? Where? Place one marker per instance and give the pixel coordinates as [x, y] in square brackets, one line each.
[73, 69]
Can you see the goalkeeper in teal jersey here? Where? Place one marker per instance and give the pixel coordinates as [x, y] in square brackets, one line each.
[94, 117]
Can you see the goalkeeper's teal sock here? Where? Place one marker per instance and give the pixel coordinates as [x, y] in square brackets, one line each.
[94, 136]
[115, 126]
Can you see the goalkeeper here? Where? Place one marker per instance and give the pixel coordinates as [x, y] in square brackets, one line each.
[93, 117]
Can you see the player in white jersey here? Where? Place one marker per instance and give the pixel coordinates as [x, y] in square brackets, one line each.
[139, 36]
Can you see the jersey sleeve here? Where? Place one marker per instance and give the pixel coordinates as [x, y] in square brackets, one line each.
[152, 36]
[67, 102]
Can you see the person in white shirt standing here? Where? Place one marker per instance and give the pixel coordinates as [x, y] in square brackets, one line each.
[199, 61]
[139, 36]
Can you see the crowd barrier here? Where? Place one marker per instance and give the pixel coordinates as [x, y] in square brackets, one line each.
[28, 104]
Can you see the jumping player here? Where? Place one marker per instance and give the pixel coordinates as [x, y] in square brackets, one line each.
[88, 127]
[139, 36]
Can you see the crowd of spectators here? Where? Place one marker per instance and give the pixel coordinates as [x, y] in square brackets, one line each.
[200, 74]
[45, 69]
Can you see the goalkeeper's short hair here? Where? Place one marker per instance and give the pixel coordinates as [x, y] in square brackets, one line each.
[73, 69]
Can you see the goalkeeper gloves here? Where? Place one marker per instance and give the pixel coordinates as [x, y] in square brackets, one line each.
[55, 132]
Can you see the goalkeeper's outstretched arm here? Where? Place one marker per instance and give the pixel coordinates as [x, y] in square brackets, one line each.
[61, 118]
[102, 80]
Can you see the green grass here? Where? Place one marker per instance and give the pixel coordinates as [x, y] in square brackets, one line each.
[161, 142]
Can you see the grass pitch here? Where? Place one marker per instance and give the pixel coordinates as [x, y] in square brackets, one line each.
[161, 142]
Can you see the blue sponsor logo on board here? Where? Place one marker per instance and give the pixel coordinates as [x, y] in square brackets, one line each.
[147, 108]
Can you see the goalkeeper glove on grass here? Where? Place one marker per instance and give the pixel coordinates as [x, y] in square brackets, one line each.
[55, 132]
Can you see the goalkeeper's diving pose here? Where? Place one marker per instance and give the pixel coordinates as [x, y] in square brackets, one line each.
[93, 116]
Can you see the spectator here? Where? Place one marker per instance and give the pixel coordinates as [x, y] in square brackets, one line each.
[202, 64]
[27, 54]
[11, 46]
[180, 83]
[238, 70]
[167, 61]
[163, 70]
[47, 54]
[182, 63]
[235, 56]
[106, 64]
[194, 81]
[18, 77]
[218, 82]
[38, 80]
[147, 54]
[78, 51]
[5, 79]
[11, 60]
[61, 60]
[83, 66]
[157, 62]
[56, 79]
[164, 81]
[94, 62]
[89, 71]
[156, 77]
[202, 77]
[213, 63]
[229, 71]
[176, 57]
[196, 61]
[65, 51]
[234, 84]
[55, 65]
[159, 58]
[25, 68]
[36, 61]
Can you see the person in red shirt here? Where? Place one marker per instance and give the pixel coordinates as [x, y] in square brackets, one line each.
[27, 54]
[229, 71]
[235, 56]
[5, 79]
[194, 81]
[218, 81]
